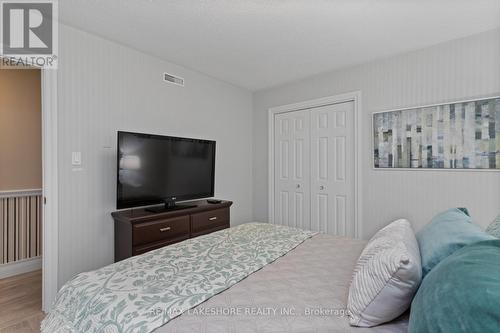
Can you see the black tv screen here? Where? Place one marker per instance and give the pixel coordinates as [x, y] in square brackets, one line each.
[153, 169]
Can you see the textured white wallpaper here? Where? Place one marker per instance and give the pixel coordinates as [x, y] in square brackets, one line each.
[104, 87]
[456, 70]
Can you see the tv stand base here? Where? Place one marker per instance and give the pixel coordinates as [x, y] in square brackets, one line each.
[138, 231]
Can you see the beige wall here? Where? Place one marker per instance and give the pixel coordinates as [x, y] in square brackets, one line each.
[20, 130]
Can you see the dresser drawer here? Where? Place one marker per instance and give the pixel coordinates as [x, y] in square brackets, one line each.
[202, 223]
[160, 230]
[138, 231]
[156, 245]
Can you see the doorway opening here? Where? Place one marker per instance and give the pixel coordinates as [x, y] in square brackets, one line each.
[21, 203]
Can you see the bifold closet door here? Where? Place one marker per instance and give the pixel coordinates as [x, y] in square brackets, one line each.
[332, 169]
[292, 169]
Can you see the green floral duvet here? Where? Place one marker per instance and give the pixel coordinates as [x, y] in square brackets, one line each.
[142, 293]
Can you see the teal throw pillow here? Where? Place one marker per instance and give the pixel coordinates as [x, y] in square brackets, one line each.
[461, 294]
[446, 233]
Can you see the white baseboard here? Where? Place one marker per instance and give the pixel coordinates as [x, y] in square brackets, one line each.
[20, 267]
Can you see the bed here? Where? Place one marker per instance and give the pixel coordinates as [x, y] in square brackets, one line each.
[303, 288]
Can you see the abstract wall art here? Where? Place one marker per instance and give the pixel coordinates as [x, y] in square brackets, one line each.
[461, 135]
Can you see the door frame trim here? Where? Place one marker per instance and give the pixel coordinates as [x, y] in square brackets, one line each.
[355, 97]
[50, 222]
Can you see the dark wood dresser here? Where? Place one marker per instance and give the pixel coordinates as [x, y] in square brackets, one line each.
[138, 231]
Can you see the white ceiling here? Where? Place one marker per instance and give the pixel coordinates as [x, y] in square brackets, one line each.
[262, 43]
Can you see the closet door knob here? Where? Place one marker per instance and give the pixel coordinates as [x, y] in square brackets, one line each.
[298, 185]
[321, 187]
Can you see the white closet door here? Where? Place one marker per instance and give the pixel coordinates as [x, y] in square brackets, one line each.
[332, 169]
[292, 169]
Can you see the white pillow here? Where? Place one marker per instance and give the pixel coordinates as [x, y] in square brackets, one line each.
[386, 276]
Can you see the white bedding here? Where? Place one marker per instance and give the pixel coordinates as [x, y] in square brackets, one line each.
[142, 293]
[312, 280]
[303, 287]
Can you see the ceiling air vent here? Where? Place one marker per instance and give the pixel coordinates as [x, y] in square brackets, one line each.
[173, 79]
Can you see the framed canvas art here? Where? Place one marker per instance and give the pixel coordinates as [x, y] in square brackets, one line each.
[461, 135]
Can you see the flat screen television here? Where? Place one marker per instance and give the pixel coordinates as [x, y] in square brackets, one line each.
[155, 169]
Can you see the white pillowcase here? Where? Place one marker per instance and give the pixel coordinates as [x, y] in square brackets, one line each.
[386, 276]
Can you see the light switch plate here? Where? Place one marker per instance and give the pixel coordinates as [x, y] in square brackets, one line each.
[76, 158]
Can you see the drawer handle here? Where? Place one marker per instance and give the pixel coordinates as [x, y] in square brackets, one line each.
[213, 218]
[164, 229]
